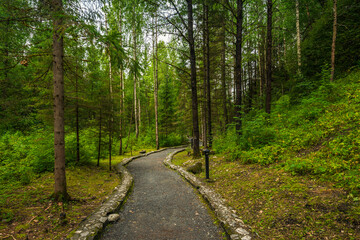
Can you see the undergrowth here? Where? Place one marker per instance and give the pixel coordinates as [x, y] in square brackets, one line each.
[320, 136]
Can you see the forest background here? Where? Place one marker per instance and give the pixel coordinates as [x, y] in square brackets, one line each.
[260, 81]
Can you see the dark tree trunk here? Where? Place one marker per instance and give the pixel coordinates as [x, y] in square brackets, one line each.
[205, 62]
[268, 56]
[110, 140]
[195, 112]
[207, 74]
[333, 41]
[77, 118]
[99, 146]
[238, 59]
[223, 75]
[156, 86]
[60, 192]
[121, 112]
[122, 94]
[250, 81]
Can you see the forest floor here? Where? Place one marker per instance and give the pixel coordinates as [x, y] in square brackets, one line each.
[27, 212]
[278, 205]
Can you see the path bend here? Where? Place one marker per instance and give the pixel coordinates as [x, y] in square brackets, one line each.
[161, 206]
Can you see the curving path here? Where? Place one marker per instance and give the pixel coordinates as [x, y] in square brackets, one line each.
[161, 206]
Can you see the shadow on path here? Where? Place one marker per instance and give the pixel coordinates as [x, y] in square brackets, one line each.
[161, 206]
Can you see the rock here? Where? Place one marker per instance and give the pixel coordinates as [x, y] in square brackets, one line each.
[196, 168]
[113, 217]
[142, 152]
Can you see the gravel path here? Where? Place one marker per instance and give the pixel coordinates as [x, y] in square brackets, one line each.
[161, 206]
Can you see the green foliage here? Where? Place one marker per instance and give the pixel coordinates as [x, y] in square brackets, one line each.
[172, 139]
[319, 136]
[24, 156]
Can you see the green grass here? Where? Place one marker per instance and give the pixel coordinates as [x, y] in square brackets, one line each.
[28, 211]
[319, 137]
[280, 205]
[294, 174]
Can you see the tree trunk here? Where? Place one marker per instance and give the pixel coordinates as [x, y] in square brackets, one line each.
[121, 112]
[298, 37]
[207, 70]
[333, 41]
[156, 84]
[135, 84]
[77, 117]
[205, 62]
[195, 112]
[122, 94]
[238, 59]
[60, 192]
[250, 80]
[139, 104]
[111, 105]
[223, 75]
[268, 57]
[99, 145]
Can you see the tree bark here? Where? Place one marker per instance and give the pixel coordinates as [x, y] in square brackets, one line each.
[195, 112]
[238, 59]
[156, 84]
[205, 62]
[111, 105]
[99, 145]
[135, 84]
[122, 94]
[333, 41]
[60, 191]
[298, 36]
[77, 117]
[208, 93]
[223, 75]
[268, 57]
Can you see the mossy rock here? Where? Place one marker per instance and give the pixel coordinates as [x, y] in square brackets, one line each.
[196, 168]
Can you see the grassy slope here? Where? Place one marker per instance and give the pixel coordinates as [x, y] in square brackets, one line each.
[297, 176]
[27, 211]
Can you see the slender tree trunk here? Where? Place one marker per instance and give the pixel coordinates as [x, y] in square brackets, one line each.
[205, 62]
[156, 84]
[333, 41]
[195, 112]
[111, 106]
[122, 94]
[139, 104]
[135, 84]
[128, 137]
[250, 80]
[99, 145]
[60, 191]
[207, 70]
[110, 143]
[298, 37]
[121, 113]
[77, 117]
[268, 57]
[223, 76]
[238, 59]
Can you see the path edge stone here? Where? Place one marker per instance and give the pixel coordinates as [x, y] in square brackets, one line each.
[91, 227]
[232, 224]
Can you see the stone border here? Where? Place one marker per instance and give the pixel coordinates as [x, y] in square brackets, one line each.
[91, 227]
[233, 225]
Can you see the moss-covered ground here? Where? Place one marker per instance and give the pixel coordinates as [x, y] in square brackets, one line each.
[280, 205]
[27, 212]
